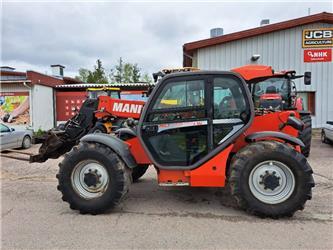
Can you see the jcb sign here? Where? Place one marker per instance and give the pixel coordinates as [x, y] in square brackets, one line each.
[314, 38]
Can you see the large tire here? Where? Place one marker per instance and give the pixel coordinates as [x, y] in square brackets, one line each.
[282, 190]
[138, 172]
[86, 189]
[306, 134]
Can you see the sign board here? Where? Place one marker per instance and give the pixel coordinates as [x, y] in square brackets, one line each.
[15, 106]
[317, 55]
[317, 38]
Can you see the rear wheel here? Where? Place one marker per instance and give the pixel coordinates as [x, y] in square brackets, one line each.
[92, 178]
[306, 134]
[138, 172]
[271, 179]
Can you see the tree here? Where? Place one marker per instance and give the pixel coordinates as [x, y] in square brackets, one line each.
[136, 73]
[128, 72]
[125, 72]
[119, 71]
[83, 75]
[95, 76]
[146, 78]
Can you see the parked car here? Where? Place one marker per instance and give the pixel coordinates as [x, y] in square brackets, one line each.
[10, 138]
[327, 132]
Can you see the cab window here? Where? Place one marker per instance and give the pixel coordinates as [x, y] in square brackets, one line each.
[228, 98]
[181, 94]
[180, 101]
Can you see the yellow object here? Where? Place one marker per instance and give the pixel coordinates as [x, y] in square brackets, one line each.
[104, 88]
[108, 126]
[174, 70]
[169, 102]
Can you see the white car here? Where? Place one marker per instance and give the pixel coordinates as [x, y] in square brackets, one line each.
[10, 138]
[327, 132]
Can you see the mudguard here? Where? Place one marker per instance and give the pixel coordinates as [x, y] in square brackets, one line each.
[117, 145]
[273, 134]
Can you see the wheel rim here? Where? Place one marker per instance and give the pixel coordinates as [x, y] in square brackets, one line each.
[26, 142]
[90, 179]
[271, 182]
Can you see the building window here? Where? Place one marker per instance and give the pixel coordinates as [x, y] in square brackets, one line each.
[309, 101]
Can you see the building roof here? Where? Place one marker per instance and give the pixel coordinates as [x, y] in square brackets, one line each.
[34, 77]
[94, 85]
[5, 68]
[188, 48]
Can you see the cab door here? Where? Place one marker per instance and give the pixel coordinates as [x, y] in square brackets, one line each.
[186, 121]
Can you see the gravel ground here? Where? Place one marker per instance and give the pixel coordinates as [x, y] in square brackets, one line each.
[33, 215]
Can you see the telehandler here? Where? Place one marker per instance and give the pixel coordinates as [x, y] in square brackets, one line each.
[197, 129]
[277, 90]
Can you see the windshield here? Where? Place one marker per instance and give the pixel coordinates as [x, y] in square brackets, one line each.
[271, 86]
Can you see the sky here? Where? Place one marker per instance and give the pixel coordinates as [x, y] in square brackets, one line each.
[36, 34]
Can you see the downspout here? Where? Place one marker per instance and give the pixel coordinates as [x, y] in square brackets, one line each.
[30, 103]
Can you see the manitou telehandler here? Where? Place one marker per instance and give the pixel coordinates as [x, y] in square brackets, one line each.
[197, 129]
[277, 90]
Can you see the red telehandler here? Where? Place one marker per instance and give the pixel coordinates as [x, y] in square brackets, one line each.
[277, 91]
[197, 129]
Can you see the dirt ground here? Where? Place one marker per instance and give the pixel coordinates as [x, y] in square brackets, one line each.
[34, 216]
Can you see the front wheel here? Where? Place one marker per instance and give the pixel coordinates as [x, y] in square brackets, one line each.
[269, 178]
[92, 178]
[26, 143]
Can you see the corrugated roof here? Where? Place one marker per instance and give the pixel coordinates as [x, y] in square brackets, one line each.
[92, 85]
[188, 48]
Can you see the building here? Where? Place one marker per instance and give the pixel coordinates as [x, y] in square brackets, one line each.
[41, 101]
[27, 98]
[302, 44]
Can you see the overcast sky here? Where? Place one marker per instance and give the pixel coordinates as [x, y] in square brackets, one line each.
[37, 34]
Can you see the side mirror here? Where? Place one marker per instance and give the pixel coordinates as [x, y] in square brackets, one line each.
[12, 129]
[307, 78]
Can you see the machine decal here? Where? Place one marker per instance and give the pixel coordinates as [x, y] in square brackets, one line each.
[167, 126]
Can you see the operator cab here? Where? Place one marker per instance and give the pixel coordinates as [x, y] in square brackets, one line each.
[94, 93]
[192, 116]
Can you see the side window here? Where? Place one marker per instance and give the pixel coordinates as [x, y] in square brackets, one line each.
[3, 128]
[231, 111]
[228, 99]
[180, 101]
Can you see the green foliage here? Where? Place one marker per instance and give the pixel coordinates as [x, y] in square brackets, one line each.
[146, 78]
[39, 133]
[118, 72]
[136, 73]
[96, 76]
[83, 75]
[122, 72]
